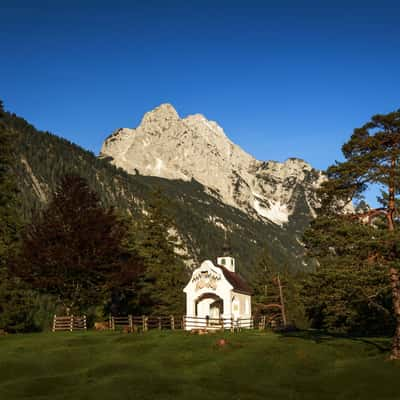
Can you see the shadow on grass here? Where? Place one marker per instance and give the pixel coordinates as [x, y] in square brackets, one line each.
[382, 344]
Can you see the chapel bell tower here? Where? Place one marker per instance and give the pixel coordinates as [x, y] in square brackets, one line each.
[226, 260]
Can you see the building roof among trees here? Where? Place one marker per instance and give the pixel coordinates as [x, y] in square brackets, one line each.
[238, 283]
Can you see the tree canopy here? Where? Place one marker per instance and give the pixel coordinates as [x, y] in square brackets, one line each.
[165, 273]
[358, 241]
[74, 248]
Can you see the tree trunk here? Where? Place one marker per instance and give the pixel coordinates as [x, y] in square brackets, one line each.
[395, 284]
[393, 272]
[282, 300]
[392, 198]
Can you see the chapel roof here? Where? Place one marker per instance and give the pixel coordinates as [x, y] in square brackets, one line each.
[238, 283]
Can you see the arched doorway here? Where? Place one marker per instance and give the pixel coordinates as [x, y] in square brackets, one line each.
[209, 305]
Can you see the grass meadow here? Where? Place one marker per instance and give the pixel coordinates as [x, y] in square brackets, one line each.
[178, 365]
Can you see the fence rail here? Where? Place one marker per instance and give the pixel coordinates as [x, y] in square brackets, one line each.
[194, 322]
[69, 323]
[144, 323]
[131, 323]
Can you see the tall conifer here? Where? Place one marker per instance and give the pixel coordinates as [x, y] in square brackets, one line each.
[372, 157]
[165, 273]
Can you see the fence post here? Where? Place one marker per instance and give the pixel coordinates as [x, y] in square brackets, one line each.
[84, 322]
[183, 323]
[109, 322]
[252, 323]
[232, 327]
[159, 323]
[54, 322]
[130, 323]
[146, 322]
[172, 322]
[71, 323]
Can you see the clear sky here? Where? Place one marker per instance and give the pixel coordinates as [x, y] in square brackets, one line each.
[283, 78]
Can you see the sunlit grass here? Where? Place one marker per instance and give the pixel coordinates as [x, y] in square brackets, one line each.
[177, 365]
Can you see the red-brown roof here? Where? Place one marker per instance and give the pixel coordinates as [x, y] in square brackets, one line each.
[238, 283]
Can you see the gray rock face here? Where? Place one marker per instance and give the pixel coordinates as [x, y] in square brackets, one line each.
[168, 146]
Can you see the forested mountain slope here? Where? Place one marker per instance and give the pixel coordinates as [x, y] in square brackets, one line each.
[202, 220]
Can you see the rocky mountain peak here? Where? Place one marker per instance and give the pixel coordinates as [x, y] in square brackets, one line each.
[164, 112]
[161, 119]
[168, 146]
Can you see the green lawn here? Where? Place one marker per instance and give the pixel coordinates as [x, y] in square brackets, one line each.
[177, 365]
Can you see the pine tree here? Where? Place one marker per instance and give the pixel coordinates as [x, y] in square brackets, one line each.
[372, 157]
[165, 274]
[348, 292]
[74, 249]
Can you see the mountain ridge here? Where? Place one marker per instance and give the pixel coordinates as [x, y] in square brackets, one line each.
[202, 221]
[171, 147]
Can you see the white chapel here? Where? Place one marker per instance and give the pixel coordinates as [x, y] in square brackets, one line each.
[218, 296]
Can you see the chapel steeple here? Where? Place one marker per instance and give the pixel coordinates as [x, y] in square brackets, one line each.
[226, 260]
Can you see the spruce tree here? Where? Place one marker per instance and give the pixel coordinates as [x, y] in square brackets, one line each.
[372, 157]
[165, 274]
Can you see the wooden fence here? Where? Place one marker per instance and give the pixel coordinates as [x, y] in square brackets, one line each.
[69, 323]
[130, 323]
[144, 323]
[214, 324]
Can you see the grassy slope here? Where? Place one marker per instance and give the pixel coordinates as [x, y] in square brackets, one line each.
[164, 365]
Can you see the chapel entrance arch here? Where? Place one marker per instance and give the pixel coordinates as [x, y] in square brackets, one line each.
[209, 305]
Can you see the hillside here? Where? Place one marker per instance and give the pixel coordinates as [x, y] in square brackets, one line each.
[202, 219]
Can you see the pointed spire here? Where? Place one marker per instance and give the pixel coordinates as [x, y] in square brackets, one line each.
[226, 248]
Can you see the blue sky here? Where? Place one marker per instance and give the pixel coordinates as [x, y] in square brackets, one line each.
[283, 78]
